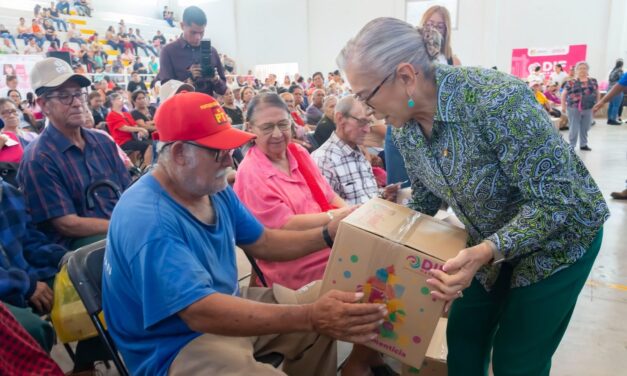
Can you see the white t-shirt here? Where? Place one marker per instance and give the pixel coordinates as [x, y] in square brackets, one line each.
[559, 77]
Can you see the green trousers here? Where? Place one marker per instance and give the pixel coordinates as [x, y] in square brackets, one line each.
[520, 327]
[39, 329]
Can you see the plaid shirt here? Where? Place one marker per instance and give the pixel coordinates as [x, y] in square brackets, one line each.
[347, 170]
[55, 174]
[19, 353]
[26, 255]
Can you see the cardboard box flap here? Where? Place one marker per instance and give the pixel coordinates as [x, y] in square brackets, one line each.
[438, 349]
[405, 226]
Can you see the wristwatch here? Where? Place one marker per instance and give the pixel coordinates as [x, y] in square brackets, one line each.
[326, 236]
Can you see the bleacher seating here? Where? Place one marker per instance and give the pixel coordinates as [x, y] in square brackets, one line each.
[11, 11]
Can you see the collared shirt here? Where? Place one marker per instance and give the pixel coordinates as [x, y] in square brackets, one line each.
[55, 174]
[175, 60]
[20, 354]
[26, 255]
[347, 170]
[274, 198]
[495, 158]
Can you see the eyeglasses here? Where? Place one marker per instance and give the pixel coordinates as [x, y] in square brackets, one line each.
[374, 92]
[221, 154]
[439, 26]
[9, 112]
[268, 128]
[68, 98]
[361, 122]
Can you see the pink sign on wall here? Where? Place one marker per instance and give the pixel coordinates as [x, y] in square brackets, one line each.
[524, 60]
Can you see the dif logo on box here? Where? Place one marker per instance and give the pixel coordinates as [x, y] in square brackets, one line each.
[417, 265]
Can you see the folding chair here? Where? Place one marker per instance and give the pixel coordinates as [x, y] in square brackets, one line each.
[85, 271]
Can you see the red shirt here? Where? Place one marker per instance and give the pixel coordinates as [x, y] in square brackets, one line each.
[19, 353]
[12, 154]
[115, 121]
[297, 119]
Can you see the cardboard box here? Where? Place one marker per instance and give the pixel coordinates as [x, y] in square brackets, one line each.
[386, 251]
[435, 360]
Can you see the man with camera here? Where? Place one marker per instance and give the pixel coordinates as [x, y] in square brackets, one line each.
[190, 59]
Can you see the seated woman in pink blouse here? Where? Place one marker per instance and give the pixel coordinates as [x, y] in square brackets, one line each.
[282, 186]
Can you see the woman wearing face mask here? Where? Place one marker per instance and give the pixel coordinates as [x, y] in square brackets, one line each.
[477, 140]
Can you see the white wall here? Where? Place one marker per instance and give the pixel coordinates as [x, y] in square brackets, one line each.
[312, 32]
[272, 31]
[332, 23]
[145, 8]
[490, 29]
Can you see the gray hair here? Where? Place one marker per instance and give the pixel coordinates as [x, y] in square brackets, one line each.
[270, 99]
[386, 42]
[327, 101]
[345, 105]
[582, 63]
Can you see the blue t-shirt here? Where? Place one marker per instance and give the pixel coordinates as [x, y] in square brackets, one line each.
[623, 80]
[161, 259]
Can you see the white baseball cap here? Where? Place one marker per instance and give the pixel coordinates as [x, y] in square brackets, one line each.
[172, 87]
[52, 72]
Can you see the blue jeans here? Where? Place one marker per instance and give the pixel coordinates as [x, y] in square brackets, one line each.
[58, 22]
[394, 163]
[614, 106]
[63, 8]
[78, 41]
[9, 36]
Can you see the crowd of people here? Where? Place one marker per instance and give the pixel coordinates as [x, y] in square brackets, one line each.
[273, 167]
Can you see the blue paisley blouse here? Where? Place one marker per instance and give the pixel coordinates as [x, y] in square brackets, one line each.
[495, 158]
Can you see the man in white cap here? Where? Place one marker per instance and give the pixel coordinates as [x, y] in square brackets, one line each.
[172, 87]
[71, 176]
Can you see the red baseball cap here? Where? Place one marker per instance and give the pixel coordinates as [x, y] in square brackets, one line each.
[197, 117]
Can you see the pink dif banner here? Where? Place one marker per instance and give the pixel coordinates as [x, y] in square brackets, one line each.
[524, 60]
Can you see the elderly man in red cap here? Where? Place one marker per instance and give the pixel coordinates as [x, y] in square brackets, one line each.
[170, 288]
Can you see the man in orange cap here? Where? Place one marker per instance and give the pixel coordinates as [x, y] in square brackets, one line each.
[170, 263]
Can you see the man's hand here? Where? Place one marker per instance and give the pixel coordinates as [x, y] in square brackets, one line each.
[597, 106]
[338, 215]
[42, 298]
[391, 191]
[196, 71]
[143, 132]
[338, 315]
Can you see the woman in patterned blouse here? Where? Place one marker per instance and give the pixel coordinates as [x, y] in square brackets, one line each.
[478, 140]
[580, 95]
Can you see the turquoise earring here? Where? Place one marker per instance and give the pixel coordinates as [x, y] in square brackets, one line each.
[411, 103]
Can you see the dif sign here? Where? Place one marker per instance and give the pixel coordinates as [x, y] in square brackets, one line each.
[524, 60]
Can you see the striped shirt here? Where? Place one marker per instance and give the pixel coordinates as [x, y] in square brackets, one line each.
[347, 170]
[55, 174]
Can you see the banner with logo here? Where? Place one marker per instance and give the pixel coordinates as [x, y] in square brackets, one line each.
[525, 60]
[19, 66]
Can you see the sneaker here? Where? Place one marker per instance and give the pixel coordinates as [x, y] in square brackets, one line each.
[619, 195]
[585, 148]
[613, 122]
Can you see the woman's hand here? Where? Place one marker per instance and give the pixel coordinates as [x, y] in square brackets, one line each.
[458, 272]
[3, 140]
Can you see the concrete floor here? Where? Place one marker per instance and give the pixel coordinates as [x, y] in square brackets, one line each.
[595, 343]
